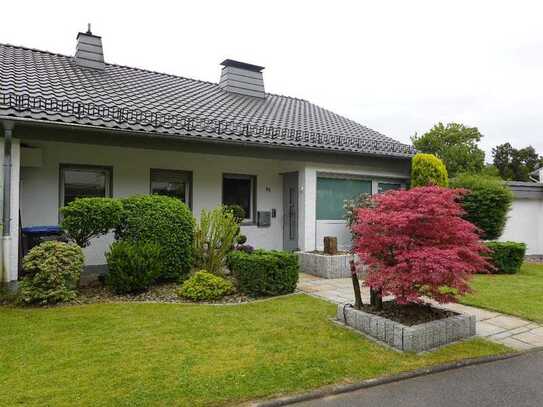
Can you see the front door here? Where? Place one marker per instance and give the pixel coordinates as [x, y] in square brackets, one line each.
[290, 211]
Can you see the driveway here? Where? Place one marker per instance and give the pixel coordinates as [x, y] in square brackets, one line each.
[514, 382]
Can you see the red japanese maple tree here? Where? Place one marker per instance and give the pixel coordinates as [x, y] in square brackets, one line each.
[416, 244]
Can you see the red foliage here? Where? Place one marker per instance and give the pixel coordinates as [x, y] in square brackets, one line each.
[416, 244]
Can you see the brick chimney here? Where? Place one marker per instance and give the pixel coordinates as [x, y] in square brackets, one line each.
[89, 52]
[242, 78]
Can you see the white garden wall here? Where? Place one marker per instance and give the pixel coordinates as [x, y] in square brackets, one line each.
[525, 223]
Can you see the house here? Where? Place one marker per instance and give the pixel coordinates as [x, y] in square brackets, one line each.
[77, 126]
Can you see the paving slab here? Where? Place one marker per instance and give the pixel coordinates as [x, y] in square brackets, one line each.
[507, 322]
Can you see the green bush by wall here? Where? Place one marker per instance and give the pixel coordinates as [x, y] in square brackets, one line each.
[85, 218]
[507, 257]
[486, 204]
[205, 286]
[265, 273]
[132, 266]
[427, 170]
[164, 221]
[52, 271]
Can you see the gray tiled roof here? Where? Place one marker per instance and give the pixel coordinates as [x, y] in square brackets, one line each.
[46, 86]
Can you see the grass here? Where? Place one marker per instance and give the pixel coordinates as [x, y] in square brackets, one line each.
[175, 354]
[518, 294]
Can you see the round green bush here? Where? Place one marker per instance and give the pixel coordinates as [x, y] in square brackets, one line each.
[506, 257]
[132, 266]
[264, 273]
[486, 203]
[52, 271]
[428, 170]
[165, 221]
[204, 286]
[85, 218]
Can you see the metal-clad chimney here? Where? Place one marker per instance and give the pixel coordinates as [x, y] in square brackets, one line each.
[89, 52]
[242, 78]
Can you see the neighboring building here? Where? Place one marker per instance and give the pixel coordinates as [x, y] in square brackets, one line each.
[78, 126]
[525, 220]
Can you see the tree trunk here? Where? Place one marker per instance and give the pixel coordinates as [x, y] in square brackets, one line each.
[356, 286]
[376, 299]
[330, 245]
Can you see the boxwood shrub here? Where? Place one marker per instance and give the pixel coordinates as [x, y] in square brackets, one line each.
[205, 286]
[132, 266]
[85, 218]
[164, 221]
[264, 273]
[52, 271]
[507, 257]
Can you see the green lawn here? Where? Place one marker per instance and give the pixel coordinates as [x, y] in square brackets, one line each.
[518, 294]
[175, 354]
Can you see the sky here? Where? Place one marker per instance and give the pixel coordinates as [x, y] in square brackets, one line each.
[397, 67]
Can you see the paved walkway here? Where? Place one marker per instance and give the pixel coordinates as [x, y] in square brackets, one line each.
[508, 330]
[513, 382]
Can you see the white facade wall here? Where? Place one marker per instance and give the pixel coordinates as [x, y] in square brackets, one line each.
[525, 224]
[131, 175]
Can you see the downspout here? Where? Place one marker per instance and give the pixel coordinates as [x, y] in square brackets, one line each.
[6, 204]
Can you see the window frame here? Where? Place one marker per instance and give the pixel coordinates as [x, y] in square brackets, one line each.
[340, 176]
[82, 167]
[186, 173]
[251, 221]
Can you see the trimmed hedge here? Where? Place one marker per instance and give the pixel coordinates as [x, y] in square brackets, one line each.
[428, 170]
[52, 271]
[486, 204]
[264, 273]
[507, 257]
[164, 221]
[132, 267]
[85, 218]
[205, 286]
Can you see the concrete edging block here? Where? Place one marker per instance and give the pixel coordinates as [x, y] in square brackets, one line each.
[417, 338]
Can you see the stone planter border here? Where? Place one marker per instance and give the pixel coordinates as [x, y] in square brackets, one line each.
[325, 265]
[416, 338]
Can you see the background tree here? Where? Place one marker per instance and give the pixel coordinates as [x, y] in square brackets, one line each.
[515, 164]
[456, 145]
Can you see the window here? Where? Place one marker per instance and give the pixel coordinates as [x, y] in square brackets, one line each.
[84, 181]
[172, 183]
[333, 192]
[240, 190]
[387, 186]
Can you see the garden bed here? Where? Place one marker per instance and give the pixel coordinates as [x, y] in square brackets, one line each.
[415, 328]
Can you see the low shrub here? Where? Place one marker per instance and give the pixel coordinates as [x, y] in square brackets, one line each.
[164, 221]
[205, 286]
[486, 204]
[237, 211]
[264, 273]
[52, 271]
[241, 239]
[428, 170]
[132, 266]
[214, 238]
[85, 218]
[507, 257]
